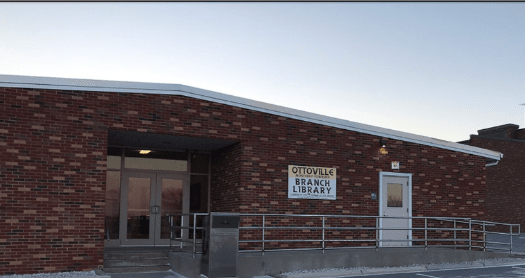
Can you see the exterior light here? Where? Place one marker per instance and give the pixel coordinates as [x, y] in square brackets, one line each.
[383, 150]
[144, 151]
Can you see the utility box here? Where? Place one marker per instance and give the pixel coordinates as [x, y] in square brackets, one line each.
[222, 245]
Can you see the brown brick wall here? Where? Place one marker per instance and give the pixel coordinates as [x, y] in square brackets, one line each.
[506, 180]
[226, 179]
[53, 168]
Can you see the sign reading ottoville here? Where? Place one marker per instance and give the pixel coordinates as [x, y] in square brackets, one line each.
[309, 182]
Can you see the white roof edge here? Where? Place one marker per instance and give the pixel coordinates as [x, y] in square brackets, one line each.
[17, 81]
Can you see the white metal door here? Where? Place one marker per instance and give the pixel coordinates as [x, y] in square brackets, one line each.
[395, 201]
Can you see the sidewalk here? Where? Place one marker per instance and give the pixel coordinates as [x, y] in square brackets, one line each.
[350, 272]
[356, 272]
[167, 274]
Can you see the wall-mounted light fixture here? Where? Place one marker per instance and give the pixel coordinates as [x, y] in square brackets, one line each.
[383, 150]
[144, 151]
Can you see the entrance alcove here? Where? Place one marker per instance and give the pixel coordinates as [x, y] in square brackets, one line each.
[151, 176]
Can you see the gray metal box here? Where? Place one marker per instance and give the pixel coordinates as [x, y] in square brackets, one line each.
[223, 245]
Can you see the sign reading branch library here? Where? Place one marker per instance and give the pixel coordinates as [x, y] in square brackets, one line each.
[309, 182]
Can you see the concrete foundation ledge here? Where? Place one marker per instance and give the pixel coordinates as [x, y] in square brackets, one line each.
[185, 264]
[333, 263]
[356, 272]
[278, 263]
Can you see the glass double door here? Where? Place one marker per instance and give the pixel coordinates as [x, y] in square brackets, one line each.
[147, 200]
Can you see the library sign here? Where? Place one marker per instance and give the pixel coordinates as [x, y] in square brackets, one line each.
[309, 182]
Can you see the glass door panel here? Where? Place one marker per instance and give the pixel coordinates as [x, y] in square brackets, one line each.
[148, 199]
[137, 200]
[172, 198]
[139, 192]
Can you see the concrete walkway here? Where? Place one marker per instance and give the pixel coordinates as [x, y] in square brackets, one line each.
[167, 274]
[518, 249]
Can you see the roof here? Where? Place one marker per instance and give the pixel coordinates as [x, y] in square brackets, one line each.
[17, 81]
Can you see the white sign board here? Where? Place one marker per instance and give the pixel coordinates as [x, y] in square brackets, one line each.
[309, 182]
[395, 165]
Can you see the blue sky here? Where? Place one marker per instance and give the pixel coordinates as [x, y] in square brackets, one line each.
[441, 70]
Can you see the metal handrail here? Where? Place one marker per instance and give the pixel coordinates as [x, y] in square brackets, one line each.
[472, 228]
[182, 227]
[378, 229]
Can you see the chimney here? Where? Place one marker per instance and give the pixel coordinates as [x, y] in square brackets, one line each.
[501, 131]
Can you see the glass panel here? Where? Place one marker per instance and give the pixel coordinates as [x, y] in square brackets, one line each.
[171, 203]
[114, 162]
[198, 193]
[394, 195]
[200, 163]
[157, 154]
[155, 164]
[138, 208]
[198, 200]
[112, 205]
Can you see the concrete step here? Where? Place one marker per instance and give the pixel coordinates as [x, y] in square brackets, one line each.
[138, 260]
[137, 269]
[135, 255]
[133, 263]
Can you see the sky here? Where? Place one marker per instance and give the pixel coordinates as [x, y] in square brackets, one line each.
[442, 70]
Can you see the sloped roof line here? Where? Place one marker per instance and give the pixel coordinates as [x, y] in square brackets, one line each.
[178, 89]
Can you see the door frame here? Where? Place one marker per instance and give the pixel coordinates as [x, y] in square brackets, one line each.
[155, 198]
[402, 175]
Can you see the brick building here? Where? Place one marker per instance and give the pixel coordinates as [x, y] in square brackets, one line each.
[76, 175]
[506, 179]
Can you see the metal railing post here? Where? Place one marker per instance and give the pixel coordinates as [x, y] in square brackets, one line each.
[454, 233]
[426, 236]
[323, 235]
[469, 234]
[377, 234]
[484, 238]
[170, 220]
[263, 225]
[181, 230]
[194, 234]
[510, 239]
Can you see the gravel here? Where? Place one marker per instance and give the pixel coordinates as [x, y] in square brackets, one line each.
[72, 274]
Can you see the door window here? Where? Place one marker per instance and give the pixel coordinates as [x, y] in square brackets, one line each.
[394, 195]
[138, 216]
[171, 204]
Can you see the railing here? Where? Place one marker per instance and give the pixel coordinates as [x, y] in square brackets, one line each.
[279, 232]
[489, 228]
[185, 229]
